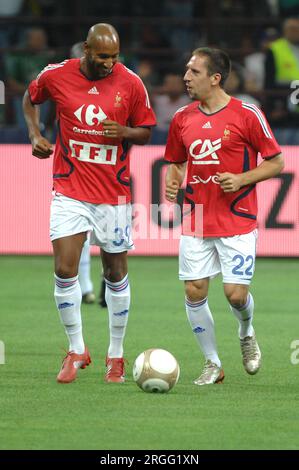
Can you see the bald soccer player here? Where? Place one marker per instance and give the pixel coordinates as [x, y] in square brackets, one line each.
[101, 107]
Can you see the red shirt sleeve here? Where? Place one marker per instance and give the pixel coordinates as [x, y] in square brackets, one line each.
[175, 150]
[142, 113]
[259, 133]
[39, 88]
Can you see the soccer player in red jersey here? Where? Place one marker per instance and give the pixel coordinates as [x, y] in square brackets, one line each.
[218, 139]
[101, 106]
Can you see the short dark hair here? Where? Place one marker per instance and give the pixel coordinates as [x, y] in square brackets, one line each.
[218, 61]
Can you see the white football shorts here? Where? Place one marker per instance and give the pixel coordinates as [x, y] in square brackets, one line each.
[110, 226]
[234, 257]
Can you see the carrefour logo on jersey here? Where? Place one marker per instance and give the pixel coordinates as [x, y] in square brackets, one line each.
[91, 115]
[93, 153]
[207, 148]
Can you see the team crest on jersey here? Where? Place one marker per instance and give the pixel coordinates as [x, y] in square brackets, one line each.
[91, 115]
[226, 134]
[118, 99]
[207, 152]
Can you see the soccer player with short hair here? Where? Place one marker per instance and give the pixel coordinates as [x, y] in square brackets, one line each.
[101, 107]
[218, 139]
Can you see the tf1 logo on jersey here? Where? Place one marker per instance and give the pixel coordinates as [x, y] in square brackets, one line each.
[93, 153]
[207, 148]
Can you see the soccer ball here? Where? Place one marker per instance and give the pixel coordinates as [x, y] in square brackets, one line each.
[156, 370]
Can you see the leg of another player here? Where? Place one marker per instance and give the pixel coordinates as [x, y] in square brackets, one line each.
[88, 296]
[118, 303]
[200, 318]
[242, 306]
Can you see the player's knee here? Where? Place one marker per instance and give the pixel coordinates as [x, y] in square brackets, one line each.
[237, 299]
[114, 275]
[236, 294]
[194, 291]
[65, 270]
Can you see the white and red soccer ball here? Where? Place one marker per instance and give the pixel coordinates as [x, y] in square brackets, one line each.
[156, 370]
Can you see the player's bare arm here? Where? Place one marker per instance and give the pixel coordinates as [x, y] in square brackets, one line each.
[174, 178]
[41, 147]
[231, 182]
[136, 135]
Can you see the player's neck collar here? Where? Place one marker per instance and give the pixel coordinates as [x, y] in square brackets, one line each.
[216, 111]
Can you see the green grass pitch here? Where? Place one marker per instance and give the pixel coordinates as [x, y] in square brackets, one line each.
[246, 412]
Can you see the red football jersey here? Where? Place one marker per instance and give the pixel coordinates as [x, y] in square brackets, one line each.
[226, 141]
[87, 165]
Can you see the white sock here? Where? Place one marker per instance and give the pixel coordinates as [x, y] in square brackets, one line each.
[245, 317]
[84, 270]
[118, 302]
[68, 301]
[202, 324]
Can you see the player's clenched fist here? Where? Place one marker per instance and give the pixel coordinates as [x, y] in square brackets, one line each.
[113, 129]
[41, 147]
[229, 182]
[171, 191]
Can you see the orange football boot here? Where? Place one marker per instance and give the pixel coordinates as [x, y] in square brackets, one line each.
[70, 365]
[115, 371]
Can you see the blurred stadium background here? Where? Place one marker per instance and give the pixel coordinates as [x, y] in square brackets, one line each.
[157, 38]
